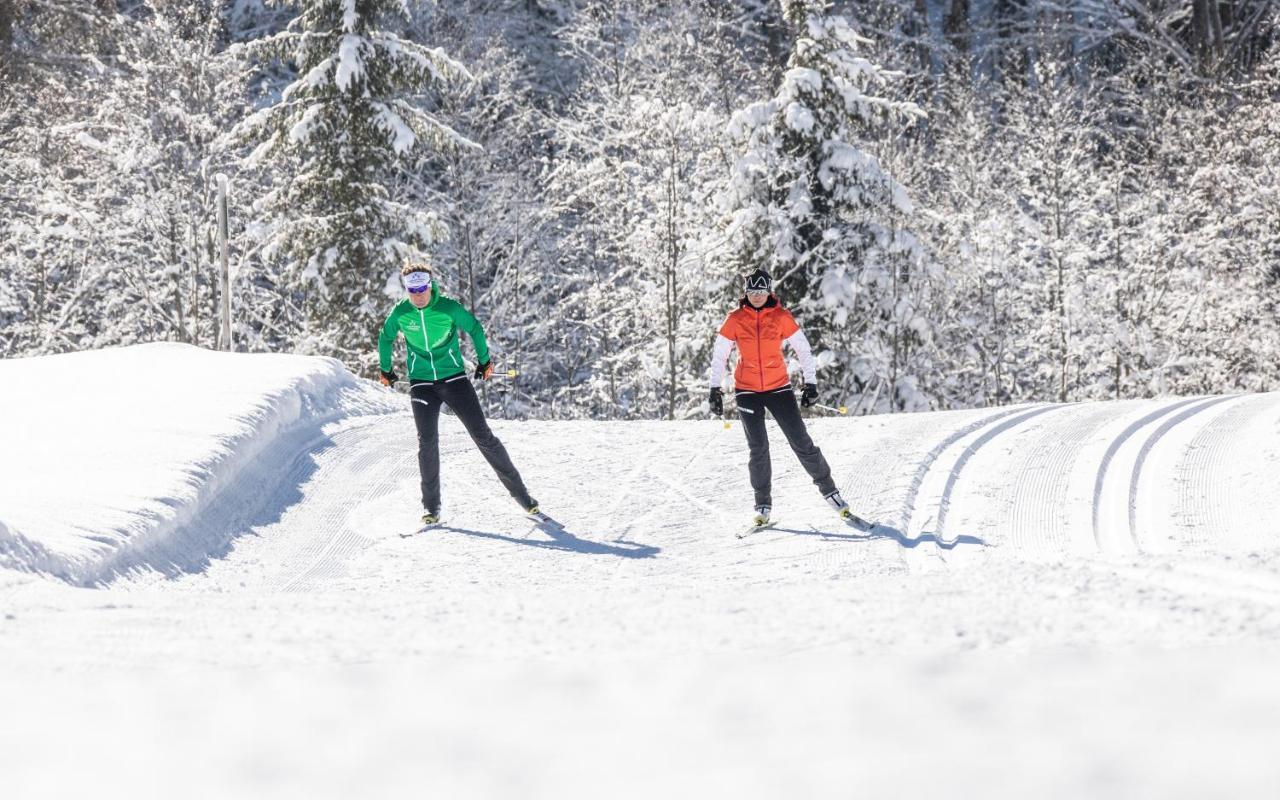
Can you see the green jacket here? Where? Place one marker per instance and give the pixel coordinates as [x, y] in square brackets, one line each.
[431, 335]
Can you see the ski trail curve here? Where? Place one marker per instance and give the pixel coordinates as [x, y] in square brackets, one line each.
[1207, 494]
[944, 504]
[922, 469]
[1033, 519]
[1147, 446]
[1114, 448]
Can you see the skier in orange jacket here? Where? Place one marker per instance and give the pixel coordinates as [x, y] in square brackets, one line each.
[759, 327]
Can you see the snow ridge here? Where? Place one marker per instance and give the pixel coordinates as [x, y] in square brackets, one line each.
[179, 467]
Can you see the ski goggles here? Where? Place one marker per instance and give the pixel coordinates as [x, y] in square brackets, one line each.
[417, 282]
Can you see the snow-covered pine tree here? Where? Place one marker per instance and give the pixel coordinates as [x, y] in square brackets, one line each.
[1053, 122]
[1222, 196]
[973, 229]
[808, 202]
[55, 59]
[638, 151]
[337, 138]
[499, 258]
[1138, 256]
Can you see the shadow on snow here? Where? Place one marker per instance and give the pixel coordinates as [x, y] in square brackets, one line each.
[561, 539]
[881, 531]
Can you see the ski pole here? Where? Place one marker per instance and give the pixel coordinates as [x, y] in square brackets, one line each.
[511, 373]
[840, 410]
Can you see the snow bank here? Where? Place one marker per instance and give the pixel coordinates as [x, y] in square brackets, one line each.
[109, 459]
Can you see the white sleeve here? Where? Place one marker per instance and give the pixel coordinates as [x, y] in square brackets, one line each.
[719, 356]
[807, 365]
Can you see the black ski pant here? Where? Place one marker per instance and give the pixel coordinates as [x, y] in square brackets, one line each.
[781, 403]
[458, 393]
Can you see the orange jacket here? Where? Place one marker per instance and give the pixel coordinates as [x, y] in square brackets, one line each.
[759, 335]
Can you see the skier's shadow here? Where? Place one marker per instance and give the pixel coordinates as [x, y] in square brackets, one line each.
[881, 531]
[561, 539]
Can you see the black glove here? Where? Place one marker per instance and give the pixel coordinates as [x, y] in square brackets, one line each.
[484, 371]
[810, 395]
[717, 401]
[388, 378]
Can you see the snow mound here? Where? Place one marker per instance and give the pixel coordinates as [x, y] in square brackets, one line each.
[116, 458]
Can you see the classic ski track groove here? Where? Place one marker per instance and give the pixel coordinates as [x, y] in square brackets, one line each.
[908, 512]
[1035, 521]
[1136, 475]
[1201, 500]
[944, 502]
[869, 470]
[1114, 447]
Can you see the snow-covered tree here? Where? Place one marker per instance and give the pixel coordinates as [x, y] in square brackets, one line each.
[808, 202]
[638, 153]
[500, 257]
[337, 138]
[971, 228]
[112, 230]
[1056, 182]
[1223, 192]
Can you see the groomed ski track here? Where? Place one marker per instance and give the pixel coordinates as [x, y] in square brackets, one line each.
[1058, 601]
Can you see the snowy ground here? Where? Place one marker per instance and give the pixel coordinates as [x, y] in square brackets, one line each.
[1060, 601]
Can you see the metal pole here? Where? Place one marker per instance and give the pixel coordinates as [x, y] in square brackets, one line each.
[224, 339]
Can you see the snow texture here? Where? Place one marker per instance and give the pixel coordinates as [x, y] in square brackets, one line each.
[114, 478]
[350, 61]
[1058, 601]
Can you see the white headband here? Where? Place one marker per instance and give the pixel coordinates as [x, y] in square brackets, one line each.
[417, 280]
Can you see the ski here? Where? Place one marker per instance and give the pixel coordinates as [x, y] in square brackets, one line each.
[543, 521]
[429, 521]
[422, 529]
[856, 522]
[755, 529]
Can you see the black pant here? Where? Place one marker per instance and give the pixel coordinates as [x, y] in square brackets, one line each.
[782, 404]
[459, 394]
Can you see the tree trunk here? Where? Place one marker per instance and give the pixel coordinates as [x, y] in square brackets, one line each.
[177, 276]
[1206, 26]
[8, 11]
[673, 257]
[1062, 302]
[956, 27]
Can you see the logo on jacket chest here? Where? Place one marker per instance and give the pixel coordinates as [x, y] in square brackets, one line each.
[411, 326]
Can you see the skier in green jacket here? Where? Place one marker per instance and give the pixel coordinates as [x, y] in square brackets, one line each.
[430, 322]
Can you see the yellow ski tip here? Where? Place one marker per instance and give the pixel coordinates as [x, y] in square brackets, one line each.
[844, 410]
[511, 373]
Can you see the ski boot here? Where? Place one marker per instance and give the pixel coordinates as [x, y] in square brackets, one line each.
[851, 519]
[761, 518]
[430, 519]
[759, 521]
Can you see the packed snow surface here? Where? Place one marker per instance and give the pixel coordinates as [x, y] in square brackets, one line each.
[205, 590]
